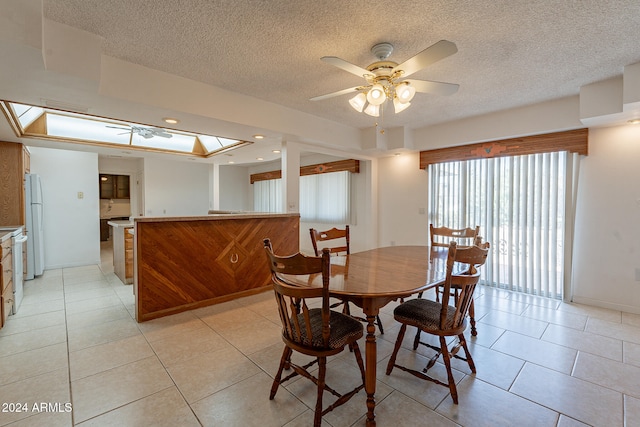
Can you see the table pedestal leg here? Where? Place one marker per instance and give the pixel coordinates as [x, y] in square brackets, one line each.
[370, 369]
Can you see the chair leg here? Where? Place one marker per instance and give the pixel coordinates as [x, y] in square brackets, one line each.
[358, 355]
[322, 369]
[379, 322]
[472, 318]
[416, 340]
[437, 288]
[392, 359]
[446, 357]
[284, 361]
[467, 354]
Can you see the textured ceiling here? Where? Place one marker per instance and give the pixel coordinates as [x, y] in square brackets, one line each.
[510, 52]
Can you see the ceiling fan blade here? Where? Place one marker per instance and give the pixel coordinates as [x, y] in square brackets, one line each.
[344, 65]
[117, 127]
[430, 55]
[338, 93]
[437, 88]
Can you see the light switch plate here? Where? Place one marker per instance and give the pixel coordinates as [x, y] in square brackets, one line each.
[80, 195]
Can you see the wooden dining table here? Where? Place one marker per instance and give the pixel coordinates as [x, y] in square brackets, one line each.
[373, 278]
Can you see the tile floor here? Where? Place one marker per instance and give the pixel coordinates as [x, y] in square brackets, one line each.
[540, 363]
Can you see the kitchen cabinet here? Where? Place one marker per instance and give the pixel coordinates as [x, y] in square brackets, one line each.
[114, 186]
[189, 262]
[14, 163]
[6, 281]
[122, 250]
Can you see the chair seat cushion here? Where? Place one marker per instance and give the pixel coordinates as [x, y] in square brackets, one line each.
[423, 313]
[344, 329]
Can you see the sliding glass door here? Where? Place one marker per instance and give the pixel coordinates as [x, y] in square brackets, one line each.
[523, 205]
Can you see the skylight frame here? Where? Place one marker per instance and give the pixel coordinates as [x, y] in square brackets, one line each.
[38, 127]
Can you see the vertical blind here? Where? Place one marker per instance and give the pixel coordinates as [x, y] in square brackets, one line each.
[521, 206]
[324, 198]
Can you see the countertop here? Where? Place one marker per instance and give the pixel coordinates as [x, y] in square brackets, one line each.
[121, 223]
[6, 231]
[214, 217]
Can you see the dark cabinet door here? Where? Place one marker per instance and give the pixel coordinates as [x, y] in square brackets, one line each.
[114, 186]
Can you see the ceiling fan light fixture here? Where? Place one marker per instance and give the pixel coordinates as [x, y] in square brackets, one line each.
[358, 101]
[376, 95]
[372, 110]
[405, 92]
[400, 106]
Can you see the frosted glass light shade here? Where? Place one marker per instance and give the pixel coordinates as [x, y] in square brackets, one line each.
[358, 101]
[400, 106]
[372, 110]
[376, 94]
[405, 92]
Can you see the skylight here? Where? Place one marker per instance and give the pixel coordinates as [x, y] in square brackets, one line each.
[64, 126]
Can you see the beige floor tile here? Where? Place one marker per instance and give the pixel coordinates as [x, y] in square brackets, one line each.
[208, 373]
[501, 304]
[631, 411]
[45, 419]
[565, 421]
[102, 333]
[306, 420]
[543, 353]
[42, 296]
[492, 366]
[487, 334]
[253, 336]
[179, 348]
[229, 318]
[594, 312]
[522, 325]
[483, 405]
[614, 330]
[49, 387]
[82, 278]
[534, 300]
[164, 408]
[28, 309]
[88, 294]
[103, 392]
[229, 406]
[400, 410]
[578, 399]
[76, 307]
[16, 325]
[164, 327]
[425, 392]
[30, 340]
[631, 353]
[268, 359]
[557, 317]
[608, 373]
[631, 319]
[100, 358]
[20, 366]
[584, 341]
[95, 317]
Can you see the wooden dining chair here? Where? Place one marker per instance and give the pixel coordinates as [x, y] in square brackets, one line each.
[342, 239]
[442, 319]
[317, 332]
[440, 237]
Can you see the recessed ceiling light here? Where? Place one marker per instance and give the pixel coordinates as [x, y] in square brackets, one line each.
[171, 120]
[396, 154]
[231, 162]
[634, 121]
[276, 151]
[258, 136]
[259, 158]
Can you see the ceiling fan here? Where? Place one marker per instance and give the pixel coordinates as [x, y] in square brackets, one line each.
[386, 80]
[144, 131]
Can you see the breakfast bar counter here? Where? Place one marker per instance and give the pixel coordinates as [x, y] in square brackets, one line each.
[182, 263]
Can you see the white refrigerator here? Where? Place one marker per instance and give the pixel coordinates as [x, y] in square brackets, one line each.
[33, 217]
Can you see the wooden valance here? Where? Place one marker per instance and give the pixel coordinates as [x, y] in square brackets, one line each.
[350, 165]
[574, 141]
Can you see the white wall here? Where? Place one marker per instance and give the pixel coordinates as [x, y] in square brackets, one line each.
[71, 224]
[403, 194]
[234, 195]
[175, 188]
[607, 236]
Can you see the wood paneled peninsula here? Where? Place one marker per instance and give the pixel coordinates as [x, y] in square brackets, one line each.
[182, 263]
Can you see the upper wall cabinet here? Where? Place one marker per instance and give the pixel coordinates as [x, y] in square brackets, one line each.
[114, 186]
